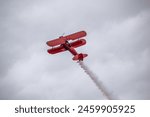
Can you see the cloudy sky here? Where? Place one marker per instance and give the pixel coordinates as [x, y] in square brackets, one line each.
[118, 45]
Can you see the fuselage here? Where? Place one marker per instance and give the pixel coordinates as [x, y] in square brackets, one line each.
[68, 47]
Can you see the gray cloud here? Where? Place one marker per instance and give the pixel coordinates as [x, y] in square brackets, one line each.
[117, 44]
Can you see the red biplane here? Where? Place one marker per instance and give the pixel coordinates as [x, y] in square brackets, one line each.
[62, 44]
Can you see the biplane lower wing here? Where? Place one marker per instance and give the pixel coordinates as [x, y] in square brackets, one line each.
[78, 43]
[56, 50]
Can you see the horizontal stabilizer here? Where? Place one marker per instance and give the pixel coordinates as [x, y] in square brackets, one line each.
[79, 57]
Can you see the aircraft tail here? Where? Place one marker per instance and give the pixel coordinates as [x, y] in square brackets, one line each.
[79, 57]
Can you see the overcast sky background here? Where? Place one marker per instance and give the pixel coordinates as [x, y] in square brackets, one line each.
[118, 45]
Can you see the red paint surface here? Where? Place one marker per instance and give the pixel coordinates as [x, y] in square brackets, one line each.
[65, 45]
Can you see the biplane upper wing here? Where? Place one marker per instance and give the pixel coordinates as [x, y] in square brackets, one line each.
[55, 42]
[78, 43]
[56, 50]
[61, 40]
[76, 35]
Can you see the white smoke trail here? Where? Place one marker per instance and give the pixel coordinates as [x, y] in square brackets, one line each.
[98, 83]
